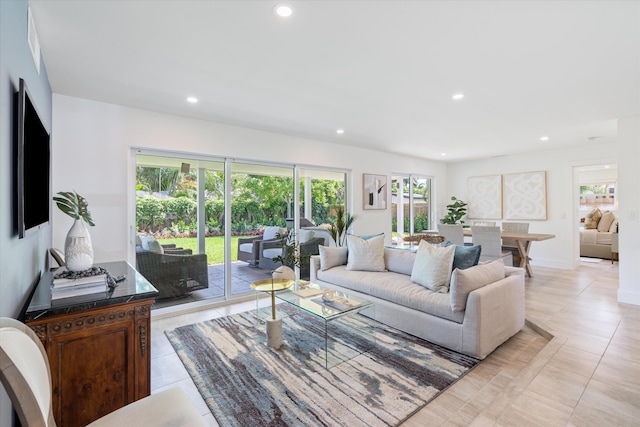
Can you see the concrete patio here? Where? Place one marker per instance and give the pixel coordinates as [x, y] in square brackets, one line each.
[242, 276]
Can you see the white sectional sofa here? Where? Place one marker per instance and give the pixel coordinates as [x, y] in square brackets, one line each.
[494, 311]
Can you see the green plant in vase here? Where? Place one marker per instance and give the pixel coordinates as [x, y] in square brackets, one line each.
[78, 251]
[338, 229]
[456, 211]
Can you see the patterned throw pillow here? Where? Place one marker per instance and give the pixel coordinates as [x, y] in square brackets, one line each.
[593, 217]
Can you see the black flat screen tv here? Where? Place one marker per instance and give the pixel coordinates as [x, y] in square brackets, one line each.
[32, 165]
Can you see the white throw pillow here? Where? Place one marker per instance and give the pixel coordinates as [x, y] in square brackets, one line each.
[365, 255]
[463, 282]
[305, 235]
[332, 257]
[155, 246]
[270, 232]
[432, 267]
[614, 226]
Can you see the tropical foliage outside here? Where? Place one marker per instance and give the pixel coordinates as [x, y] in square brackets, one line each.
[166, 205]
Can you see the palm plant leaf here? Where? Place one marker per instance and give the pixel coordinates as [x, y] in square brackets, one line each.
[74, 205]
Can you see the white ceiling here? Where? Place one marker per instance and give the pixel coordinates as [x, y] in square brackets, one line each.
[384, 71]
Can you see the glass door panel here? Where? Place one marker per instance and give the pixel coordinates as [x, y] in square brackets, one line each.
[261, 201]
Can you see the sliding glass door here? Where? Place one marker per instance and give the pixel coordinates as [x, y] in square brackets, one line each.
[233, 212]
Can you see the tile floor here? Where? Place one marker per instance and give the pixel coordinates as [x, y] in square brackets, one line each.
[576, 363]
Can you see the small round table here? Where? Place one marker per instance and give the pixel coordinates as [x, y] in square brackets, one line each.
[271, 286]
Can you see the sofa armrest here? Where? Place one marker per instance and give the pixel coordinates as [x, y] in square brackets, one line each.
[314, 268]
[494, 313]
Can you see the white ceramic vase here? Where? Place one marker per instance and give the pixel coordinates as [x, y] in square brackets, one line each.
[78, 252]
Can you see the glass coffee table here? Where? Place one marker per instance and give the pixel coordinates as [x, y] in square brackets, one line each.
[357, 337]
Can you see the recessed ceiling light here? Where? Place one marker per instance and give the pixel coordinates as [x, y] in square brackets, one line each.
[443, 154]
[544, 138]
[192, 99]
[340, 131]
[458, 96]
[284, 10]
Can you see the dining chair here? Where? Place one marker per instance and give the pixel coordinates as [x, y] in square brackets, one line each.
[490, 240]
[26, 377]
[510, 244]
[485, 223]
[452, 233]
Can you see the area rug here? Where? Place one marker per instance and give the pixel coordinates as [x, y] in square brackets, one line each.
[246, 383]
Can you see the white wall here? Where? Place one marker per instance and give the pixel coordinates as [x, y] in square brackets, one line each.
[629, 209]
[91, 151]
[562, 251]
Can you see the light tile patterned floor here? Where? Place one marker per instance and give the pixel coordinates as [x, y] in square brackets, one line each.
[587, 374]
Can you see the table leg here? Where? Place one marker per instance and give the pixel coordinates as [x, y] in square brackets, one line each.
[523, 250]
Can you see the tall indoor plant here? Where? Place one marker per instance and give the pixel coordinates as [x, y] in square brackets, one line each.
[338, 229]
[78, 252]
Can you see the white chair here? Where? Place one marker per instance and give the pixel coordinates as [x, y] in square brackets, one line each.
[452, 233]
[484, 223]
[490, 241]
[510, 244]
[26, 376]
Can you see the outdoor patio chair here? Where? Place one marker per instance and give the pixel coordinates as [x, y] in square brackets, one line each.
[270, 250]
[174, 274]
[248, 247]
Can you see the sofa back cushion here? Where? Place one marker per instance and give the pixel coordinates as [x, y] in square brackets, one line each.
[270, 232]
[432, 268]
[365, 255]
[605, 222]
[399, 260]
[463, 282]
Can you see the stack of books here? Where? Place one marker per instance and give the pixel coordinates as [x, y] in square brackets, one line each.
[67, 288]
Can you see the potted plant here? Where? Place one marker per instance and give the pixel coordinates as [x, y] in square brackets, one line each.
[457, 210]
[78, 251]
[291, 256]
[338, 229]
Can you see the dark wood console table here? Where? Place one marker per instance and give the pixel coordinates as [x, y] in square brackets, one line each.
[98, 345]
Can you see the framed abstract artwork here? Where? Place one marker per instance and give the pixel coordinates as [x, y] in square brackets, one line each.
[374, 191]
[525, 195]
[485, 197]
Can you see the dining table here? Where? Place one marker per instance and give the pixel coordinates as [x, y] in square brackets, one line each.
[523, 242]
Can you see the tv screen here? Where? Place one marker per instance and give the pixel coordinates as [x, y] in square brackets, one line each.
[32, 166]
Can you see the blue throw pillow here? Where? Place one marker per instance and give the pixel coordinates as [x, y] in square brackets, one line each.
[465, 256]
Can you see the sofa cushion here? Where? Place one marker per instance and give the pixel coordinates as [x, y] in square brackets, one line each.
[605, 221]
[331, 257]
[463, 282]
[365, 255]
[155, 246]
[592, 219]
[393, 287]
[246, 247]
[305, 235]
[399, 260]
[270, 232]
[465, 256]
[432, 267]
[613, 228]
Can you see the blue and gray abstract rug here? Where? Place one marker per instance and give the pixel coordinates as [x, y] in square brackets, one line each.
[246, 383]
